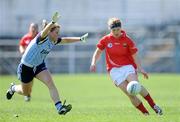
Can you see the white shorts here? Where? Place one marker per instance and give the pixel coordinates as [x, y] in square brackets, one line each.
[119, 74]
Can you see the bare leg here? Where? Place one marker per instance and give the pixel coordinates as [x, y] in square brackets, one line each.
[28, 97]
[134, 99]
[145, 94]
[23, 88]
[46, 78]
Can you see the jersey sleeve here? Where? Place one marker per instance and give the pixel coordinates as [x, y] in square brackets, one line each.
[59, 40]
[40, 40]
[132, 46]
[101, 44]
[22, 42]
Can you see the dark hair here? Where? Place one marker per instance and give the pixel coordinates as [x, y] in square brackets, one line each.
[115, 25]
[114, 22]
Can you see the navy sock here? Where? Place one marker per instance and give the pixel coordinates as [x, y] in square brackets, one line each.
[58, 105]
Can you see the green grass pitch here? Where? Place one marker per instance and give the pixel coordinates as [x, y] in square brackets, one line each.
[94, 99]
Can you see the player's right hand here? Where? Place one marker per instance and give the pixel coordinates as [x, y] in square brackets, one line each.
[83, 38]
[55, 17]
[93, 68]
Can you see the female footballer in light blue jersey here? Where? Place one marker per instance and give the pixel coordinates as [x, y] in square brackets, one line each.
[32, 63]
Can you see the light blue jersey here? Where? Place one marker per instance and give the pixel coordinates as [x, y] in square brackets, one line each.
[37, 51]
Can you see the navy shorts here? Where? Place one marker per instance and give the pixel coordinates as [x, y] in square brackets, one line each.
[26, 74]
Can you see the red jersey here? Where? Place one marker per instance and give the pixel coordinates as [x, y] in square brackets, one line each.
[118, 51]
[25, 40]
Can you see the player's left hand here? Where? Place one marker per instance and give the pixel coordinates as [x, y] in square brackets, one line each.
[83, 38]
[144, 73]
[55, 17]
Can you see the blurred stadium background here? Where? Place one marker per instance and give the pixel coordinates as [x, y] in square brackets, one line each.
[153, 24]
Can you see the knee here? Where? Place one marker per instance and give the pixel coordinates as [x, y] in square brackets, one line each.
[132, 97]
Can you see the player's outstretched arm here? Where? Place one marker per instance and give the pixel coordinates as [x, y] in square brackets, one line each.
[50, 25]
[95, 58]
[83, 38]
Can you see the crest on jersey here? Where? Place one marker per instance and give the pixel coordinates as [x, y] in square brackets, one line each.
[124, 44]
[109, 45]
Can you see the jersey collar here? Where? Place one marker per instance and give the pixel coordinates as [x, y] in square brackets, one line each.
[122, 32]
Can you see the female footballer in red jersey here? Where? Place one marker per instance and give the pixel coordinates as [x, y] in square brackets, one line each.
[122, 63]
[26, 39]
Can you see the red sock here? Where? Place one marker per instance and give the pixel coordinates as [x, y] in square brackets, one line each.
[142, 108]
[150, 101]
